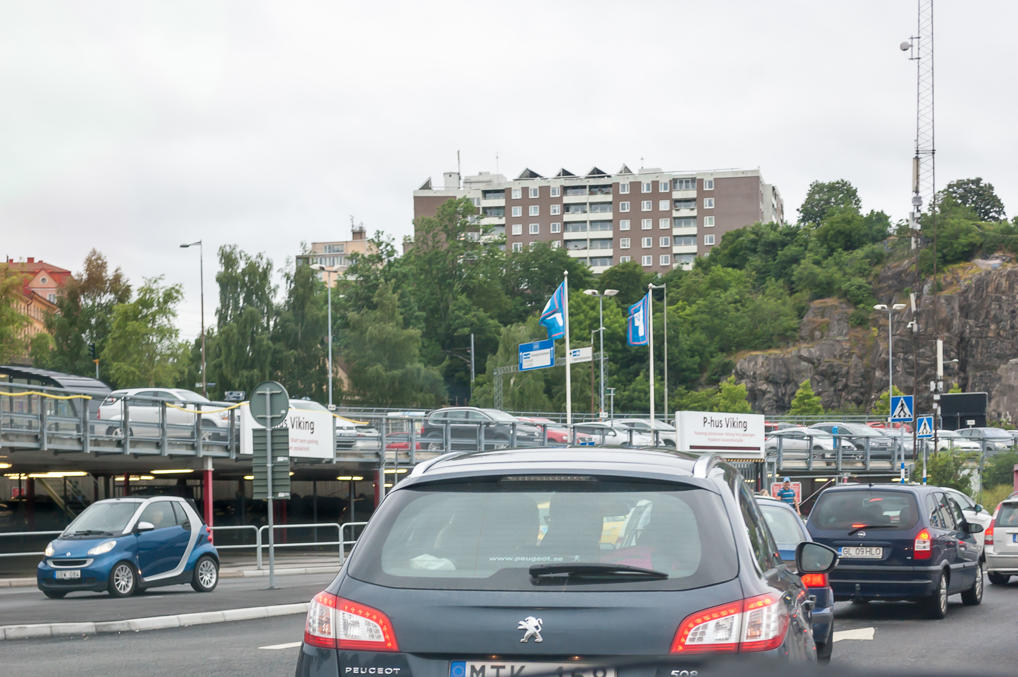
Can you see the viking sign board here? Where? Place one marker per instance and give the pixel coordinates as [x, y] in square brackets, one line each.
[310, 428]
[735, 436]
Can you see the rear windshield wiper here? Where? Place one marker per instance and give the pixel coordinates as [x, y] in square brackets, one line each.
[594, 571]
[875, 526]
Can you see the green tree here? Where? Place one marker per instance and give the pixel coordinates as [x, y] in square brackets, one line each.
[731, 397]
[882, 407]
[629, 278]
[946, 469]
[824, 196]
[12, 320]
[999, 469]
[84, 312]
[383, 358]
[143, 348]
[300, 336]
[980, 197]
[805, 402]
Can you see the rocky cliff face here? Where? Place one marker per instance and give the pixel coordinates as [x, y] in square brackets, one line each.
[975, 314]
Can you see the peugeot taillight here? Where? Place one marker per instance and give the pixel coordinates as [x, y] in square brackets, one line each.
[754, 624]
[921, 548]
[337, 623]
[814, 580]
[988, 534]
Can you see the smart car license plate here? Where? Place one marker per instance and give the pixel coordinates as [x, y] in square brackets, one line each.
[69, 574]
[860, 552]
[527, 669]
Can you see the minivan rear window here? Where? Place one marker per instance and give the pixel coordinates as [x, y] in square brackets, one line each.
[486, 534]
[857, 508]
[1007, 516]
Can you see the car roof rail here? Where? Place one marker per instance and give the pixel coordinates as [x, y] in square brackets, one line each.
[705, 464]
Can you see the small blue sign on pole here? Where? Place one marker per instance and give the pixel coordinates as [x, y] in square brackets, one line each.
[924, 427]
[901, 408]
[537, 355]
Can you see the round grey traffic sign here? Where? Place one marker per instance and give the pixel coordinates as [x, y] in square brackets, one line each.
[269, 403]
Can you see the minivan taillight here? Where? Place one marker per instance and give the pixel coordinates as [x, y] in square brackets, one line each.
[754, 624]
[337, 623]
[988, 534]
[921, 548]
[814, 580]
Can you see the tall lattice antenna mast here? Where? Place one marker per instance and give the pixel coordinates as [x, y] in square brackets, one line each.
[920, 49]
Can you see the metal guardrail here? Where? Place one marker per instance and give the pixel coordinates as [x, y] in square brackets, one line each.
[11, 534]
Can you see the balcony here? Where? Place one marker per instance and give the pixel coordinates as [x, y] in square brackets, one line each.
[575, 199]
[684, 249]
[684, 194]
[684, 212]
[580, 216]
[577, 235]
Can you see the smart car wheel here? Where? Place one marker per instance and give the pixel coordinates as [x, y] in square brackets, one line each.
[206, 574]
[936, 604]
[123, 580]
[55, 594]
[974, 595]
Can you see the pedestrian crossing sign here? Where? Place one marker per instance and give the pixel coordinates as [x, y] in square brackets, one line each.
[924, 426]
[901, 408]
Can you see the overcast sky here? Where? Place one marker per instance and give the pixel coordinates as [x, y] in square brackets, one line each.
[134, 126]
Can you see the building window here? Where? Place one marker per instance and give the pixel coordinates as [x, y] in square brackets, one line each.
[684, 222]
[687, 241]
[708, 239]
[708, 203]
[623, 243]
[556, 227]
[535, 191]
[648, 186]
[517, 211]
[556, 191]
[665, 259]
[647, 260]
[664, 241]
[517, 193]
[623, 206]
[535, 210]
[517, 229]
[624, 259]
[664, 205]
[662, 186]
[624, 187]
[708, 184]
[646, 205]
[476, 201]
[623, 224]
[535, 228]
[684, 184]
[556, 244]
[708, 222]
[517, 246]
[556, 209]
[664, 223]
[647, 242]
[646, 224]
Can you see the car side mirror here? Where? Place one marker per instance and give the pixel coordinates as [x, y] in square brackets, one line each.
[814, 558]
[979, 507]
[144, 526]
[973, 528]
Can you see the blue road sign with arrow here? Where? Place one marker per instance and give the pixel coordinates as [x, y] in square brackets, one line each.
[901, 408]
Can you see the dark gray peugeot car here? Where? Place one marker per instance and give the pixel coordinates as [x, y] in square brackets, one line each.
[575, 562]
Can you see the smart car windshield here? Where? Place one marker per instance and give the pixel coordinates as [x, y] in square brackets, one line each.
[102, 518]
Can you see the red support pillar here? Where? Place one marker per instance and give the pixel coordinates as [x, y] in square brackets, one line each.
[206, 491]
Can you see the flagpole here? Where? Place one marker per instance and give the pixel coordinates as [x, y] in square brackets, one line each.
[650, 339]
[569, 380]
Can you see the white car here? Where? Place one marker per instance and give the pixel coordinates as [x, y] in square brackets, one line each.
[604, 434]
[973, 512]
[665, 432]
[144, 408]
[800, 439]
[949, 439]
[1002, 547]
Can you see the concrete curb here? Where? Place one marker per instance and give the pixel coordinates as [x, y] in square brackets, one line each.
[223, 573]
[42, 630]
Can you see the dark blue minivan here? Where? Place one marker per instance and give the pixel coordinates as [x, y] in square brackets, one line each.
[899, 542]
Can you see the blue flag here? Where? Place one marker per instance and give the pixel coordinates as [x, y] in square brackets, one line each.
[636, 324]
[552, 316]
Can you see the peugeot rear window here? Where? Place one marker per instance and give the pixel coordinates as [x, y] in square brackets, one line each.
[864, 508]
[494, 533]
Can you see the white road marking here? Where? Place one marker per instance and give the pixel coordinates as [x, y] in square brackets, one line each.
[294, 645]
[858, 633]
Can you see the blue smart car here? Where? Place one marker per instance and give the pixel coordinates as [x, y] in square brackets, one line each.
[122, 545]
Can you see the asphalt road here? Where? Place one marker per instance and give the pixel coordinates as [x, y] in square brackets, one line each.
[970, 641]
[28, 605]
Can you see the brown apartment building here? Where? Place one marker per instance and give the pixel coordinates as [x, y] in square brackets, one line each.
[659, 219]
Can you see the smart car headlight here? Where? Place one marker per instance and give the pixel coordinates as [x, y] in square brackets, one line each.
[103, 548]
[49, 549]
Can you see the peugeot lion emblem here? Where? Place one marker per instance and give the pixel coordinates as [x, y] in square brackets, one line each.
[861, 534]
[532, 629]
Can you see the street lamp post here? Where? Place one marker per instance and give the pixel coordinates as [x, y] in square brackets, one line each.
[328, 286]
[883, 307]
[600, 320]
[201, 272]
